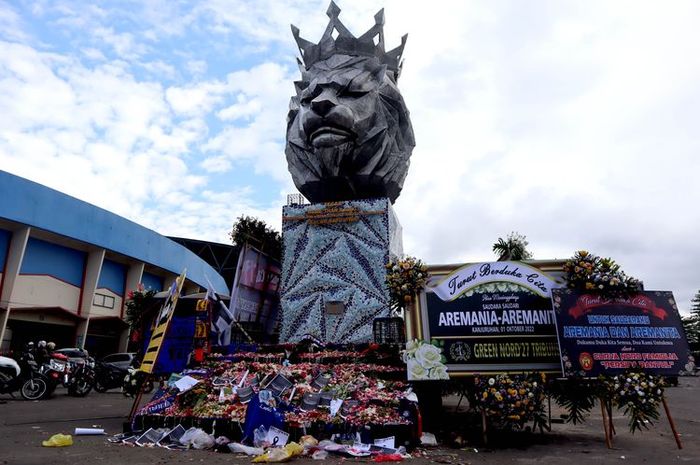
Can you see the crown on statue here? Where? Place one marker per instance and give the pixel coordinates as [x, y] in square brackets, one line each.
[337, 39]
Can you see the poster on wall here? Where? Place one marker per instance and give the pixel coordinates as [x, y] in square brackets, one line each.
[609, 336]
[484, 318]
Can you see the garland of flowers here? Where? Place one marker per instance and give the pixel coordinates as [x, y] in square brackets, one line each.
[588, 272]
[405, 278]
[639, 394]
[511, 401]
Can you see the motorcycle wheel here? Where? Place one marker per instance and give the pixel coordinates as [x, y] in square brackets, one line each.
[80, 388]
[34, 389]
[99, 387]
[148, 387]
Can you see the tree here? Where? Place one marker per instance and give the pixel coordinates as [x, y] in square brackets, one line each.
[691, 323]
[514, 247]
[250, 230]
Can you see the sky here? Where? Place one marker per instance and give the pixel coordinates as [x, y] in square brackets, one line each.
[574, 123]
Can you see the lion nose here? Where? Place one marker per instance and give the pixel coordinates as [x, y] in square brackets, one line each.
[322, 105]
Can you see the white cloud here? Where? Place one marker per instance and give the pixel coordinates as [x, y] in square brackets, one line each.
[196, 99]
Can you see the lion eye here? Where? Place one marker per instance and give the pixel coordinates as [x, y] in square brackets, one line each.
[353, 93]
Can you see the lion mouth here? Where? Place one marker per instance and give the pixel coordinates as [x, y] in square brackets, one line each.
[327, 136]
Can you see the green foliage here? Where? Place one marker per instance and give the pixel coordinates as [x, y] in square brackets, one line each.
[691, 323]
[139, 302]
[257, 233]
[575, 394]
[514, 247]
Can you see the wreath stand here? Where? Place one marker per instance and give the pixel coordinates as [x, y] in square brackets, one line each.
[138, 397]
[606, 412]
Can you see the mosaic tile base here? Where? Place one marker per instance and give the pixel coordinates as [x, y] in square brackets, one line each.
[336, 261]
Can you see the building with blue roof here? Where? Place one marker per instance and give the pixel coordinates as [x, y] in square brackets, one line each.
[66, 268]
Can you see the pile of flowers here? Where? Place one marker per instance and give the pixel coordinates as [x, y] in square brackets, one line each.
[376, 398]
[510, 401]
[588, 272]
[405, 278]
[639, 394]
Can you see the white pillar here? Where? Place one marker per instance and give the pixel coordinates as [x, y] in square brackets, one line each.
[92, 276]
[18, 245]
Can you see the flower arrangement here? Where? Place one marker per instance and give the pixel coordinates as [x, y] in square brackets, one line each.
[639, 394]
[424, 360]
[405, 278]
[588, 272]
[512, 400]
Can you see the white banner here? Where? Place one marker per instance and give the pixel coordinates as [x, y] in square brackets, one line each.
[468, 277]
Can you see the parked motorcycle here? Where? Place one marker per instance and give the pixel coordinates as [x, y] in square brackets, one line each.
[23, 376]
[108, 376]
[76, 376]
[82, 378]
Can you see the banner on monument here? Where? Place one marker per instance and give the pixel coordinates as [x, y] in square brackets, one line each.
[598, 335]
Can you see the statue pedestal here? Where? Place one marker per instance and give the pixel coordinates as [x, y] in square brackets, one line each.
[333, 269]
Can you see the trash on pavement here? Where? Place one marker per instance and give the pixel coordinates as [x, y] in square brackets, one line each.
[237, 447]
[58, 440]
[280, 454]
[428, 439]
[197, 438]
[88, 431]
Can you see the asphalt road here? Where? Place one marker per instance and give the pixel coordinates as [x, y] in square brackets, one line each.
[23, 425]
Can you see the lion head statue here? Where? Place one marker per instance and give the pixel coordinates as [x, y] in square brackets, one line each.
[349, 135]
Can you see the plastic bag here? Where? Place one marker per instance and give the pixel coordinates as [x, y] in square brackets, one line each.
[259, 436]
[58, 440]
[197, 438]
[280, 454]
[308, 441]
[319, 455]
[261, 411]
[428, 439]
[237, 447]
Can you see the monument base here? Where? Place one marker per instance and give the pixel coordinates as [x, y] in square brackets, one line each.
[334, 269]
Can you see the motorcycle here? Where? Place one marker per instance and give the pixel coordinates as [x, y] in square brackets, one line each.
[22, 375]
[108, 376]
[77, 377]
[82, 378]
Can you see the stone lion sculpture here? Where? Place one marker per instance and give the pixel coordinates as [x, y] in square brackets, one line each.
[349, 135]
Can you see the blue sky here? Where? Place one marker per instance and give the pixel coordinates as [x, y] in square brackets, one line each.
[574, 123]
